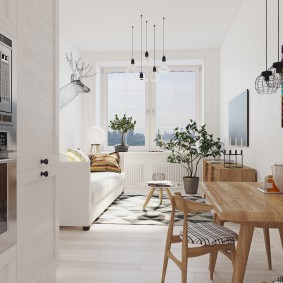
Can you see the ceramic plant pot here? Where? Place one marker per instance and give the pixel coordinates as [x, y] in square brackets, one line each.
[121, 148]
[191, 184]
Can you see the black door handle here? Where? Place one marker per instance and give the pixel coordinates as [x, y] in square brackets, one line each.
[45, 173]
[44, 161]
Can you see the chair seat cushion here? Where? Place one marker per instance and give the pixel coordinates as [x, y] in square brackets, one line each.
[207, 233]
[278, 280]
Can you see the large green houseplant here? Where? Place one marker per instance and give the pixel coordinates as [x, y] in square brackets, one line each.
[188, 147]
[122, 125]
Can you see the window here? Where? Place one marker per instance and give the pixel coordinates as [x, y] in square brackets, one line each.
[157, 107]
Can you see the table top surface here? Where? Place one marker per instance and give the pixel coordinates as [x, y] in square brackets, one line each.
[242, 202]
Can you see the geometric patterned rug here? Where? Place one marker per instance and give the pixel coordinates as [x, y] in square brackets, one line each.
[128, 209]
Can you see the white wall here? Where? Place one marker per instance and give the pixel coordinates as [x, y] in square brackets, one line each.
[242, 58]
[70, 120]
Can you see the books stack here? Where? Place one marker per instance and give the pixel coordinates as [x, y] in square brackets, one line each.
[163, 183]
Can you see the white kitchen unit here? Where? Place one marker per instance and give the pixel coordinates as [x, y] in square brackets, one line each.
[37, 64]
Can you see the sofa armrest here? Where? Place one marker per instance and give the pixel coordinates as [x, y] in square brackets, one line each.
[73, 183]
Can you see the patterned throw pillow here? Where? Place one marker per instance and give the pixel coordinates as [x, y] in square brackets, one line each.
[105, 163]
[80, 154]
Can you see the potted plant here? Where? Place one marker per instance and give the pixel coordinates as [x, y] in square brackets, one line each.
[188, 147]
[122, 125]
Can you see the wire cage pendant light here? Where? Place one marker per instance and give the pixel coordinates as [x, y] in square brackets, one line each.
[267, 82]
[164, 68]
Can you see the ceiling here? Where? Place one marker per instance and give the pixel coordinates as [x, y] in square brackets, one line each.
[105, 25]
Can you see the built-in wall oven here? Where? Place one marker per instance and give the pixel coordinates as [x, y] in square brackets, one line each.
[8, 149]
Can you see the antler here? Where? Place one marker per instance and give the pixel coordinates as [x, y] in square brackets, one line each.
[70, 61]
[82, 68]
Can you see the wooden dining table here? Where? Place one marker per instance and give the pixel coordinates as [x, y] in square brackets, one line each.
[242, 203]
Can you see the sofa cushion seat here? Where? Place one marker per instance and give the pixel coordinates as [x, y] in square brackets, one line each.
[103, 183]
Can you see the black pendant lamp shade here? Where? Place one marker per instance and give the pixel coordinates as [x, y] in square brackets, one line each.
[163, 69]
[141, 73]
[132, 68]
[147, 59]
[154, 75]
[266, 83]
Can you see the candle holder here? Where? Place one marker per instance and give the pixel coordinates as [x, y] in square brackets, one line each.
[237, 155]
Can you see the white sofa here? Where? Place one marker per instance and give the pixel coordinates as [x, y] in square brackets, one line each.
[82, 195]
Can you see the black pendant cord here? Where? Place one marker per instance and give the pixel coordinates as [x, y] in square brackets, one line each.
[154, 68]
[146, 36]
[132, 42]
[163, 35]
[266, 35]
[141, 43]
[278, 30]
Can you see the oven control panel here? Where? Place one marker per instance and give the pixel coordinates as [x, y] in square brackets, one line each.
[3, 141]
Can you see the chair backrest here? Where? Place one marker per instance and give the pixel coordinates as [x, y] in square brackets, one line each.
[188, 206]
[158, 177]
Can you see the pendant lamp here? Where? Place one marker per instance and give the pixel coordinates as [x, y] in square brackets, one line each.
[266, 83]
[154, 75]
[132, 68]
[163, 69]
[278, 66]
[147, 59]
[141, 77]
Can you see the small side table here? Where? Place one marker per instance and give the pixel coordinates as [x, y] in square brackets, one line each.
[152, 189]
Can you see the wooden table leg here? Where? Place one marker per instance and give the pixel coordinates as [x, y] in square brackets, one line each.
[267, 246]
[148, 197]
[242, 253]
[168, 193]
[161, 195]
[281, 235]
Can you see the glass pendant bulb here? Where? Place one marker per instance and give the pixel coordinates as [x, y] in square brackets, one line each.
[164, 68]
[132, 69]
[154, 76]
[146, 59]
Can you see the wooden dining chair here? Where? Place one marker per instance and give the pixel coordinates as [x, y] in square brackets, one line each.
[206, 236]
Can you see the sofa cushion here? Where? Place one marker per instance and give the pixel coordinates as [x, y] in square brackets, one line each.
[105, 162]
[80, 154]
[103, 183]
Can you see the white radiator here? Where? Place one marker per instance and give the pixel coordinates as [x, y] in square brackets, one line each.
[134, 173]
[173, 172]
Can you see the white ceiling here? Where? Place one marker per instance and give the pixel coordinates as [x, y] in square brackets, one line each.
[105, 25]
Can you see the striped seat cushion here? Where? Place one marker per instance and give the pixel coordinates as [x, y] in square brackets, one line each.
[278, 280]
[207, 233]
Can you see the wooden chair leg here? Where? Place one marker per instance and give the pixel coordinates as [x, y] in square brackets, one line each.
[267, 246]
[164, 269]
[184, 268]
[212, 263]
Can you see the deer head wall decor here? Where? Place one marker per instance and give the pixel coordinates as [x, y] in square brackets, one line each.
[72, 89]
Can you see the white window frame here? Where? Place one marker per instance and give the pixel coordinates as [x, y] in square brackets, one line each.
[150, 103]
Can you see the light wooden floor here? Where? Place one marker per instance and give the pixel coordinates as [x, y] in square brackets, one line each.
[134, 254]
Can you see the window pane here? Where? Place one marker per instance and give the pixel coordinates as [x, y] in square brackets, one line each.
[126, 96]
[175, 102]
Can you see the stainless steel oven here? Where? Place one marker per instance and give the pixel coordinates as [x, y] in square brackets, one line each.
[8, 149]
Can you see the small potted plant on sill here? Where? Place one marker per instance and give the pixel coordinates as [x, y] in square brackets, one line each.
[188, 147]
[122, 125]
